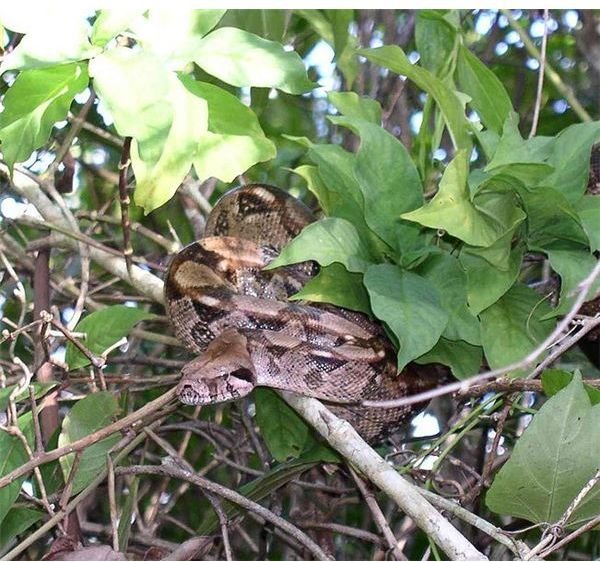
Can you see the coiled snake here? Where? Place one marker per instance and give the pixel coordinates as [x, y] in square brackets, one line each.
[238, 320]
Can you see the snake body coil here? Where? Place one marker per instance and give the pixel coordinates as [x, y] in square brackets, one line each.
[238, 320]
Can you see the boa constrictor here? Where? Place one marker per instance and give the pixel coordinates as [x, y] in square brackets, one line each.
[237, 319]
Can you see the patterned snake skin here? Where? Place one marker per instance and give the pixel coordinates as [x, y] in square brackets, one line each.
[238, 320]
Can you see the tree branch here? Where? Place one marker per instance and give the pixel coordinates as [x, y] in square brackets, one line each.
[344, 439]
[27, 186]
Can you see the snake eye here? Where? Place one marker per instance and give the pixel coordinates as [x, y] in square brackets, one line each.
[243, 374]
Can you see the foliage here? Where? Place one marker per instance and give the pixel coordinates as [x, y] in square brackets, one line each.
[466, 237]
[539, 483]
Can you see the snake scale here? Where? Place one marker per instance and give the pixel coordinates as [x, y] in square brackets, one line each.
[238, 321]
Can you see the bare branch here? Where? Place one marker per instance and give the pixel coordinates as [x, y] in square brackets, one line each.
[344, 439]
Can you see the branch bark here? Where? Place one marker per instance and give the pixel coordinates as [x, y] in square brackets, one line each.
[346, 441]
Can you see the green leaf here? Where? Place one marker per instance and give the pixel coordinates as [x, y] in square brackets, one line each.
[336, 170]
[588, 211]
[326, 241]
[513, 149]
[244, 59]
[388, 180]
[337, 190]
[551, 220]
[319, 22]
[336, 285]
[227, 156]
[445, 273]
[488, 95]
[486, 283]
[354, 106]
[39, 389]
[332, 26]
[530, 174]
[158, 180]
[60, 39]
[235, 141]
[393, 57]
[554, 380]
[284, 431]
[111, 23]
[104, 328]
[174, 33]
[499, 254]
[33, 104]
[226, 113]
[435, 38]
[573, 266]
[93, 412]
[463, 358]
[571, 159]
[146, 112]
[409, 304]
[317, 187]
[13, 455]
[164, 118]
[504, 207]
[514, 325]
[344, 43]
[17, 521]
[270, 24]
[452, 210]
[538, 483]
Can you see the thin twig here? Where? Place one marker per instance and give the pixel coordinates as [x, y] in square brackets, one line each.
[548, 540]
[378, 517]
[46, 182]
[132, 421]
[578, 499]
[540, 83]
[489, 462]
[216, 505]
[124, 203]
[552, 75]
[112, 502]
[157, 238]
[76, 124]
[587, 326]
[39, 441]
[96, 361]
[15, 431]
[228, 494]
[66, 493]
[593, 523]
[346, 530]
[21, 297]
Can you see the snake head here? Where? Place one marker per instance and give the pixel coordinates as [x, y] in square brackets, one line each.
[223, 372]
